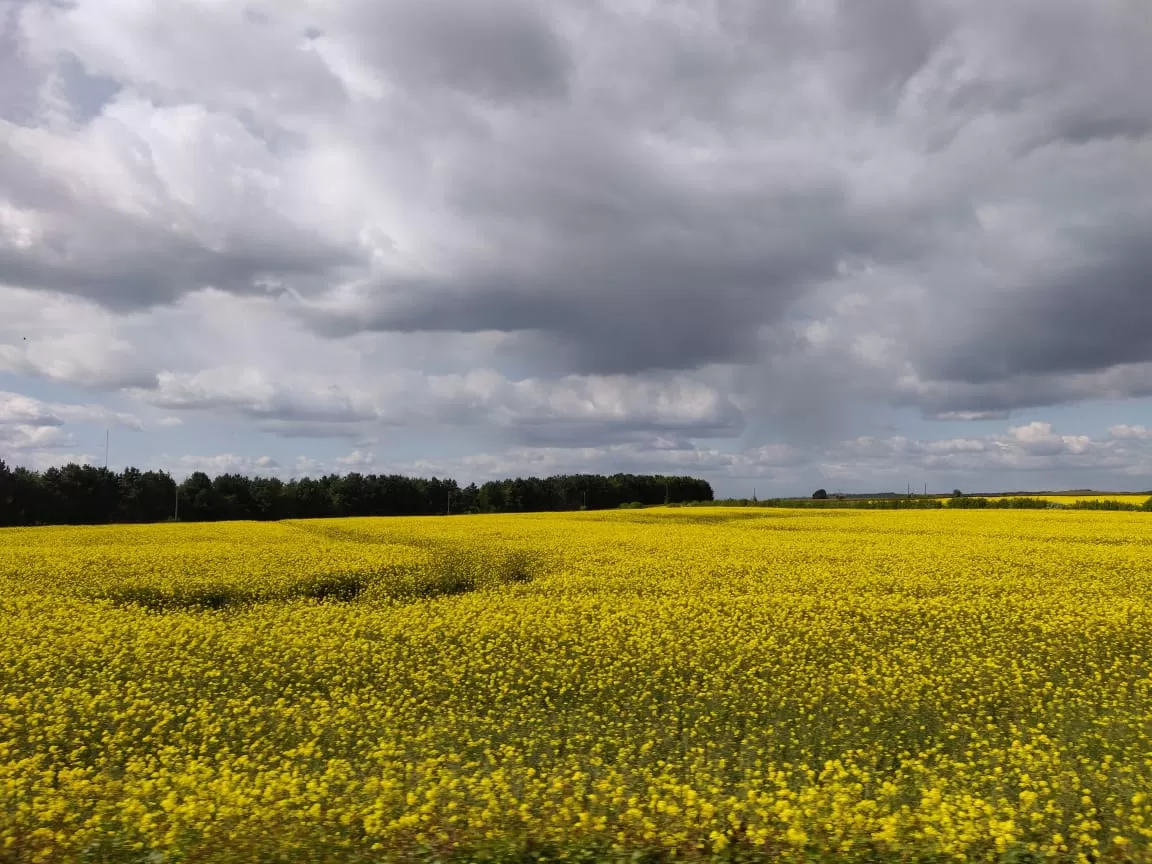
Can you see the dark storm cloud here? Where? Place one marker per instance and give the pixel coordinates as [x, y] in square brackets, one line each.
[629, 186]
[131, 267]
[884, 43]
[132, 260]
[1094, 315]
[628, 263]
[997, 398]
[18, 84]
[633, 265]
[502, 50]
[614, 316]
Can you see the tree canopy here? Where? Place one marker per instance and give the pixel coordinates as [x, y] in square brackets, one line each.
[82, 494]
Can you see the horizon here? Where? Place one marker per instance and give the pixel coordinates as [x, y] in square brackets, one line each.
[754, 495]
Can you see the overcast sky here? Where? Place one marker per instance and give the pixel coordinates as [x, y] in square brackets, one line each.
[855, 244]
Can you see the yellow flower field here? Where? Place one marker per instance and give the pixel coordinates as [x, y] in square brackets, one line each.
[1072, 499]
[1134, 500]
[1122, 498]
[752, 684]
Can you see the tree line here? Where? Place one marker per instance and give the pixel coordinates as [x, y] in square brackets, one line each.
[86, 495]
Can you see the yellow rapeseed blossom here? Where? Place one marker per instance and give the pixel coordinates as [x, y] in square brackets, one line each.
[925, 685]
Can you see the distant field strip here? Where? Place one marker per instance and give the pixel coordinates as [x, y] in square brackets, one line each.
[1072, 499]
[667, 684]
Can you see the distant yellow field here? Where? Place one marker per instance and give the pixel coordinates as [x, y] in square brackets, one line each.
[1072, 499]
[787, 684]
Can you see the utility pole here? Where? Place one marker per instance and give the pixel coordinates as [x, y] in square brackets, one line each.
[105, 449]
[449, 502]
[176, 509]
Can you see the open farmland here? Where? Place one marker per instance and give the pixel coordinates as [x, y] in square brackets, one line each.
[1135, 499]
[832, 685]
[1132, 499]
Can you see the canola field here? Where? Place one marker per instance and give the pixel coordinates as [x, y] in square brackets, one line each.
[648, 685]
[1134, 499]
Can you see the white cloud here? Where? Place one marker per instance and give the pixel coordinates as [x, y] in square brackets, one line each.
[224, 463]
[17, 408]
[1130, 431]
[27, 437]
[34, 432]
[574, 405]
[357, 460]
[1030, 448]
[967, 416]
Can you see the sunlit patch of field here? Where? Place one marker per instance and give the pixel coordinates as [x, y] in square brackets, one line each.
[1135, 499]
[638, 685]
[1072, 499]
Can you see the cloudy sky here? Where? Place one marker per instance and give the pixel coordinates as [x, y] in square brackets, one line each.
[854, 244]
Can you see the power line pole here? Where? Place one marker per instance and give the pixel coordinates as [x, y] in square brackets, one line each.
[176, 509]
[105, 449]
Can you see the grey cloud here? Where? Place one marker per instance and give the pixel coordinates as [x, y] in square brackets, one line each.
[990, 399]
[32, 431]
[629, 266]
[1085, 61]
[19, 85]
[1060, 306]
[626, 265]
[154, 249]
[84, 94]
[25, 437]
[228, 463]
[968, 416]
[1092, 315]
[885, 43]
[23, 410]
[628, 188]
[126, 266]
[251, 394]
[1030, 448]
[595, 409]
[19, 410]
[1029, 456]
[288, 428]
[229, 58]
[505, 50]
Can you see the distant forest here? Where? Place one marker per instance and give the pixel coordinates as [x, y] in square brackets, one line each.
[84, 495]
